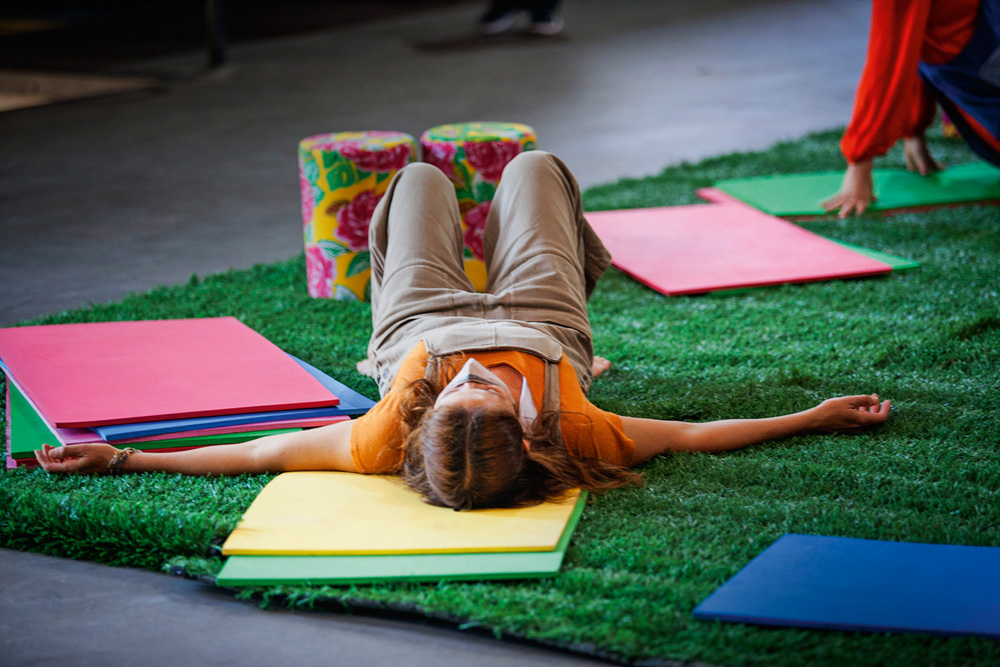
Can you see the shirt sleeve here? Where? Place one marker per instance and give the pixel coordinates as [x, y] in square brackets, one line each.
[377, 436]
[597, 434]
[891, 102]
[587, 431]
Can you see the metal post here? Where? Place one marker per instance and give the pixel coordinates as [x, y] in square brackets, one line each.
[217, 52]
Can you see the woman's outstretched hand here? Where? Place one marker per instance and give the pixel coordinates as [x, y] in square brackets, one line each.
[850, 414]
[857, 191]
[75, 459]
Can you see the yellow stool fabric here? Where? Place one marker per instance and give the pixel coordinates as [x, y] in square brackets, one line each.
[472, 156]
[342, 176]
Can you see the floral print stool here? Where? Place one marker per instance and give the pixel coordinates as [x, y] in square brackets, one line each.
[342, 176]
[472, 156]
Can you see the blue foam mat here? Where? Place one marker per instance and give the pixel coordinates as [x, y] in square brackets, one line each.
[351, 403]
[841, 583]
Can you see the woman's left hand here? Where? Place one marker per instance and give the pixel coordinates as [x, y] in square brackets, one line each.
[849, 414]
[75, 459]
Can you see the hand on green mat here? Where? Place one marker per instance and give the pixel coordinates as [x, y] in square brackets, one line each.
[857, 191]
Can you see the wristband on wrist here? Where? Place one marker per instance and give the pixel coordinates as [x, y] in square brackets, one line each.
[117, 461]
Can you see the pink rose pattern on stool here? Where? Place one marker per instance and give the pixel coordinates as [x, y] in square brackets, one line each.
[342, 177]
[473, 156]
[308, 200]
[441, 156]
[490, 157]
[475, 224]
[320, 271]
[390, 159]
[354, 218]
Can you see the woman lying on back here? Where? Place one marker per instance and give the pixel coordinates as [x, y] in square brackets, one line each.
[483, 394]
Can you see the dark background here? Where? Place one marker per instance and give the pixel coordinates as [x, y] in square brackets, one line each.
[92, 36]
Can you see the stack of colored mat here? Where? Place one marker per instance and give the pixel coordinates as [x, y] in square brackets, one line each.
[342, 528]
[163, 385]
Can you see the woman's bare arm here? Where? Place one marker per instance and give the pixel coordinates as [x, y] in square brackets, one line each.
[846, 414]
[324, 448]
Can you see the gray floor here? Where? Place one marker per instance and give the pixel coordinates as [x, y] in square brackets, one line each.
[67, 613]
[103, 197]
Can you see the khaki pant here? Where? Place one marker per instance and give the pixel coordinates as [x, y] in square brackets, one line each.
[542, 261]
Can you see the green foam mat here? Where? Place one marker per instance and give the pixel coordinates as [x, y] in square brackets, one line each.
[897, 263]
[801, 194]
[319, 570]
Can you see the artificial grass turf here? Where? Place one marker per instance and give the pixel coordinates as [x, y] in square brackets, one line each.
[641, 559]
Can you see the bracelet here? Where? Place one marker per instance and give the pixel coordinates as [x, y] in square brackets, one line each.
[117, 461]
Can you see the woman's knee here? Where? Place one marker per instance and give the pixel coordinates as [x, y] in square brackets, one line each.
[530, 161]
[538, 169]
[424, 174]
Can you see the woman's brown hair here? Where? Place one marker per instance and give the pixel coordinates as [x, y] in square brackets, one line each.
[471, 458]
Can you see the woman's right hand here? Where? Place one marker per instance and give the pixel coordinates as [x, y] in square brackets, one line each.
[857, 191]
[849, 414]
[75, 459]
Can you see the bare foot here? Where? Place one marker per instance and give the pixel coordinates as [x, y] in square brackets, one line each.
[599, 365]
[365, 367]
[918, 156]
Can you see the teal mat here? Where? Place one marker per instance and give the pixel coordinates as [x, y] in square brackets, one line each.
[319, 570]
[801, 194]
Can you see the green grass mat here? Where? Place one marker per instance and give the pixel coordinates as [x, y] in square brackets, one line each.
[642, 559]
[801, 194]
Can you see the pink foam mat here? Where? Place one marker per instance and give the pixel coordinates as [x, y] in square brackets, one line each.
[678, 250]
[104, 373]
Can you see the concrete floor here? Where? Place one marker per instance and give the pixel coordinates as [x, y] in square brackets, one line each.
[68, 613]
[107, 196]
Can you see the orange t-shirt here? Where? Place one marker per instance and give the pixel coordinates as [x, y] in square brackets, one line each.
[587, 431]
[892, 102]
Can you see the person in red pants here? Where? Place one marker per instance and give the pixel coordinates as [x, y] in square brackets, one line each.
[922, 52]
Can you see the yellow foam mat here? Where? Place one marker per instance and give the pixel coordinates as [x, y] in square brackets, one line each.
[330, 513]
